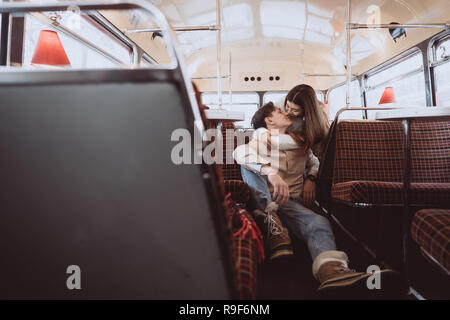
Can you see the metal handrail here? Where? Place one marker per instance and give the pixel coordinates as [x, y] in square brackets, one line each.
[404, 25]
[363, 108]
[180, 29]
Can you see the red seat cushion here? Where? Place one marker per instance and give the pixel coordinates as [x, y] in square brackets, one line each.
[240, 192]
[381, 192]
[430, 229]
[231, 172]
[369, 151]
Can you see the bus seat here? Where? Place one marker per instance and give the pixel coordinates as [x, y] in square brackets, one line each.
[367, 185]
[88, 180]
[368, 165]
[239, 191]
[430, 230]
[230, 169]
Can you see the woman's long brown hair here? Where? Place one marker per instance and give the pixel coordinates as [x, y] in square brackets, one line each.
[314, 129]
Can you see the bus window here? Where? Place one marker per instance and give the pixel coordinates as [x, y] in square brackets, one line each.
[247, 102]
[441, 70]
[78, 53]
[277, 97]
[407, 79]
[336, 101]
[320, 96]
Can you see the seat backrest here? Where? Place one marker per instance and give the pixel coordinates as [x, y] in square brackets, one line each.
[232, 137]
[88, 180]
[369, 150]
[430, 151]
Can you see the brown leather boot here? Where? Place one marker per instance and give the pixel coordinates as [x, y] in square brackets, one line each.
[277, 240]
[337, 281]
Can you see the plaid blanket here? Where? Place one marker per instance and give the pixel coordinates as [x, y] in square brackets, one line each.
[248, 248]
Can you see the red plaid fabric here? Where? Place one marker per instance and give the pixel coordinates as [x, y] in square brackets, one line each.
[369, 150]
[231, 172]
[381, 192]
[247, 248]
[239, 190]
[369, 192]
[231, 139]
[430, 229]
[369, 156]
[430, 151]
[246, 264]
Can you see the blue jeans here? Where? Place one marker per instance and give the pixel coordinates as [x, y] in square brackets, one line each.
[301, 221]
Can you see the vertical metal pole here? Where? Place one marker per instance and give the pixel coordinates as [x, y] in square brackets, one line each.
[349, 61]
[8, 45]
[219, 53]
[229, 86]
[4, 39]
[406, 221]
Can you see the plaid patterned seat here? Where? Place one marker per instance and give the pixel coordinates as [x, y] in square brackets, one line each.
[430, 229]
[247, 248]
[368, 165]
[231, 172]
[369, 151]
[430, 152]
[239, 191]
[381, 192]
[231, 139]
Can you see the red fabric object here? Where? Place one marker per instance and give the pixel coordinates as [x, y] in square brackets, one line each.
[247, 227]
[49, 50]
[247, 247]
[388, 96]
[430, 229]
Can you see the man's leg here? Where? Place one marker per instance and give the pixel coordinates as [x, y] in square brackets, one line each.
[258, 187]
[278, 241]
[330, 267]
[313, 228]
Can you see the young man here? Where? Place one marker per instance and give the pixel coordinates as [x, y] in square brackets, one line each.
[330, 266]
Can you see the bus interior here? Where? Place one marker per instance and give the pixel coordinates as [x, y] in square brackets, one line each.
[105, 109]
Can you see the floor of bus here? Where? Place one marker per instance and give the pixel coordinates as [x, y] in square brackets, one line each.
[290, 277]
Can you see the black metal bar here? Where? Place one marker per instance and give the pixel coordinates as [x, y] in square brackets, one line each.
[362, 93]
[4, 39]
[423, 46]
[406, 195]
[16, 40]
[434, 101]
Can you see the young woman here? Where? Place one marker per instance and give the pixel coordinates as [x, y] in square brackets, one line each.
[310, 121]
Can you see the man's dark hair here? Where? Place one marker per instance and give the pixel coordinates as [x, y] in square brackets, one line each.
[263, 112]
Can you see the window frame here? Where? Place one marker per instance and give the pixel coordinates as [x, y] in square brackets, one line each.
[257, 102]
[327, 96]
[391, 63]
[433, 62]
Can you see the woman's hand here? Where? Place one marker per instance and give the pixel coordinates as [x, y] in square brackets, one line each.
[309, 192]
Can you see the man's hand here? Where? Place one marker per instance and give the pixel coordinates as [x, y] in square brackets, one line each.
[309, 192]
[280, 189]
